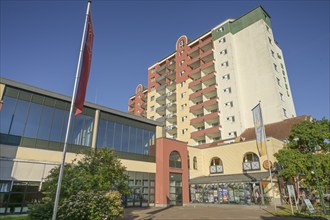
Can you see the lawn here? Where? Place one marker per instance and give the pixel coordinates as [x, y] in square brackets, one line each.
[20, 217]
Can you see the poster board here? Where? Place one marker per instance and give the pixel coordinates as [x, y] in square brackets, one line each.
[307, 204]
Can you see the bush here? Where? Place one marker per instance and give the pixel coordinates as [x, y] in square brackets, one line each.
[91, 205]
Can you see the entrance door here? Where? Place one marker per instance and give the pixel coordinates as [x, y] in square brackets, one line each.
[176, 189]
[135, 198]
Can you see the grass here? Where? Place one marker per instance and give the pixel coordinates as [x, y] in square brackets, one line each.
[284, 211]
[19, 217]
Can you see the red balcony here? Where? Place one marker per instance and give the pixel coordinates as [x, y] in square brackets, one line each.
[213, 131]
[204, 118]
[206, 64]
[193, 60]
[205, 54]
[207, 103]
[197, 134]
[131, 103]
[204, 91]
[205, 42]
[203, 79]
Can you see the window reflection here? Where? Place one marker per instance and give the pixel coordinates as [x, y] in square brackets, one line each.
[45, 123]
[132, 140]
[34, 116]
[19, 118]
[57, 125]
[117, 137]
[7, 113]
[125, 138]
[31, 128]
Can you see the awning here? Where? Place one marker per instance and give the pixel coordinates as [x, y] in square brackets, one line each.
[244, 177]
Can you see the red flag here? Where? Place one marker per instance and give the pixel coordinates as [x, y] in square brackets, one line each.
[85, 67]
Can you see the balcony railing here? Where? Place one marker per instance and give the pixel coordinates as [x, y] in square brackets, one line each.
[131, 103]
[216, 169]
[161, 98]
[162, 77]
[161, 119]
[161, 109]
[206, 103]
[171, 75]
[204, 91]
[161, 68]
[159, 88]
[248, 166]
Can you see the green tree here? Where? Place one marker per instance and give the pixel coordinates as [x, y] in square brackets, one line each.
[297, 156]
[97, 176]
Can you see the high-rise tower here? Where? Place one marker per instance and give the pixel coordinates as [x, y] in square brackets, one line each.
[204, 91]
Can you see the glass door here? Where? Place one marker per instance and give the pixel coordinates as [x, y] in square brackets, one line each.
[176, 189]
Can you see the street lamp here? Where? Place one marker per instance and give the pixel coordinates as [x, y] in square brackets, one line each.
[312, 148]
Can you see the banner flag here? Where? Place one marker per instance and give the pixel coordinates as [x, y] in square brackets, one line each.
[85, 67]
[260, 130]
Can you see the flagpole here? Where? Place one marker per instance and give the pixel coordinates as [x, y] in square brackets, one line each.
[58, 190]
[270, 173]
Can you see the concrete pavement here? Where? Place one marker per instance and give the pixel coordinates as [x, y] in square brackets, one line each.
[200, 212]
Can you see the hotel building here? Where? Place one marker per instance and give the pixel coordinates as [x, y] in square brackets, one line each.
[204, 91]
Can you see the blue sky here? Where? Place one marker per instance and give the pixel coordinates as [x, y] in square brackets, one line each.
[40, 43]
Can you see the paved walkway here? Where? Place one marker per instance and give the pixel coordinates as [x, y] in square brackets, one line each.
[199, 212]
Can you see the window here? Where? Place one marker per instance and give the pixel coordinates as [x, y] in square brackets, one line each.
[183, 106]
[152, 117]
[221, 29]
[227, 90]
[251, 162]
[183, 94]
[183, 83]
[272, 53]
[227, 77]
[233, 134]
[152, 98]
[181, 44]
[284, 113]
[182, 72]
[152, 88]
[184, 131]
[270, 41]
[267, 28]
[275, 66]
[278, 81]
[229, 104]
[282, 66]
[223, 52]
[139, 104]
[231, 118]
[153, 70]
[183, 118]
[225, 64]
[152, 108]
[153, 79]
[222, 40]
[181, 52]
[216, 165]
[201, 142]
[175, 160]
[281, 96]
[181, 62]
[195, 163]
[279, 56]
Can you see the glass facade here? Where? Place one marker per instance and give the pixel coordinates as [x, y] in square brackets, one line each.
[15, 196]
[31, 120]
[142, 187]
[122, 135]
[36, 121]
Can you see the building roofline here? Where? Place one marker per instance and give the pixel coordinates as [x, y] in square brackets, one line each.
[199, 36]
[68, 98]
